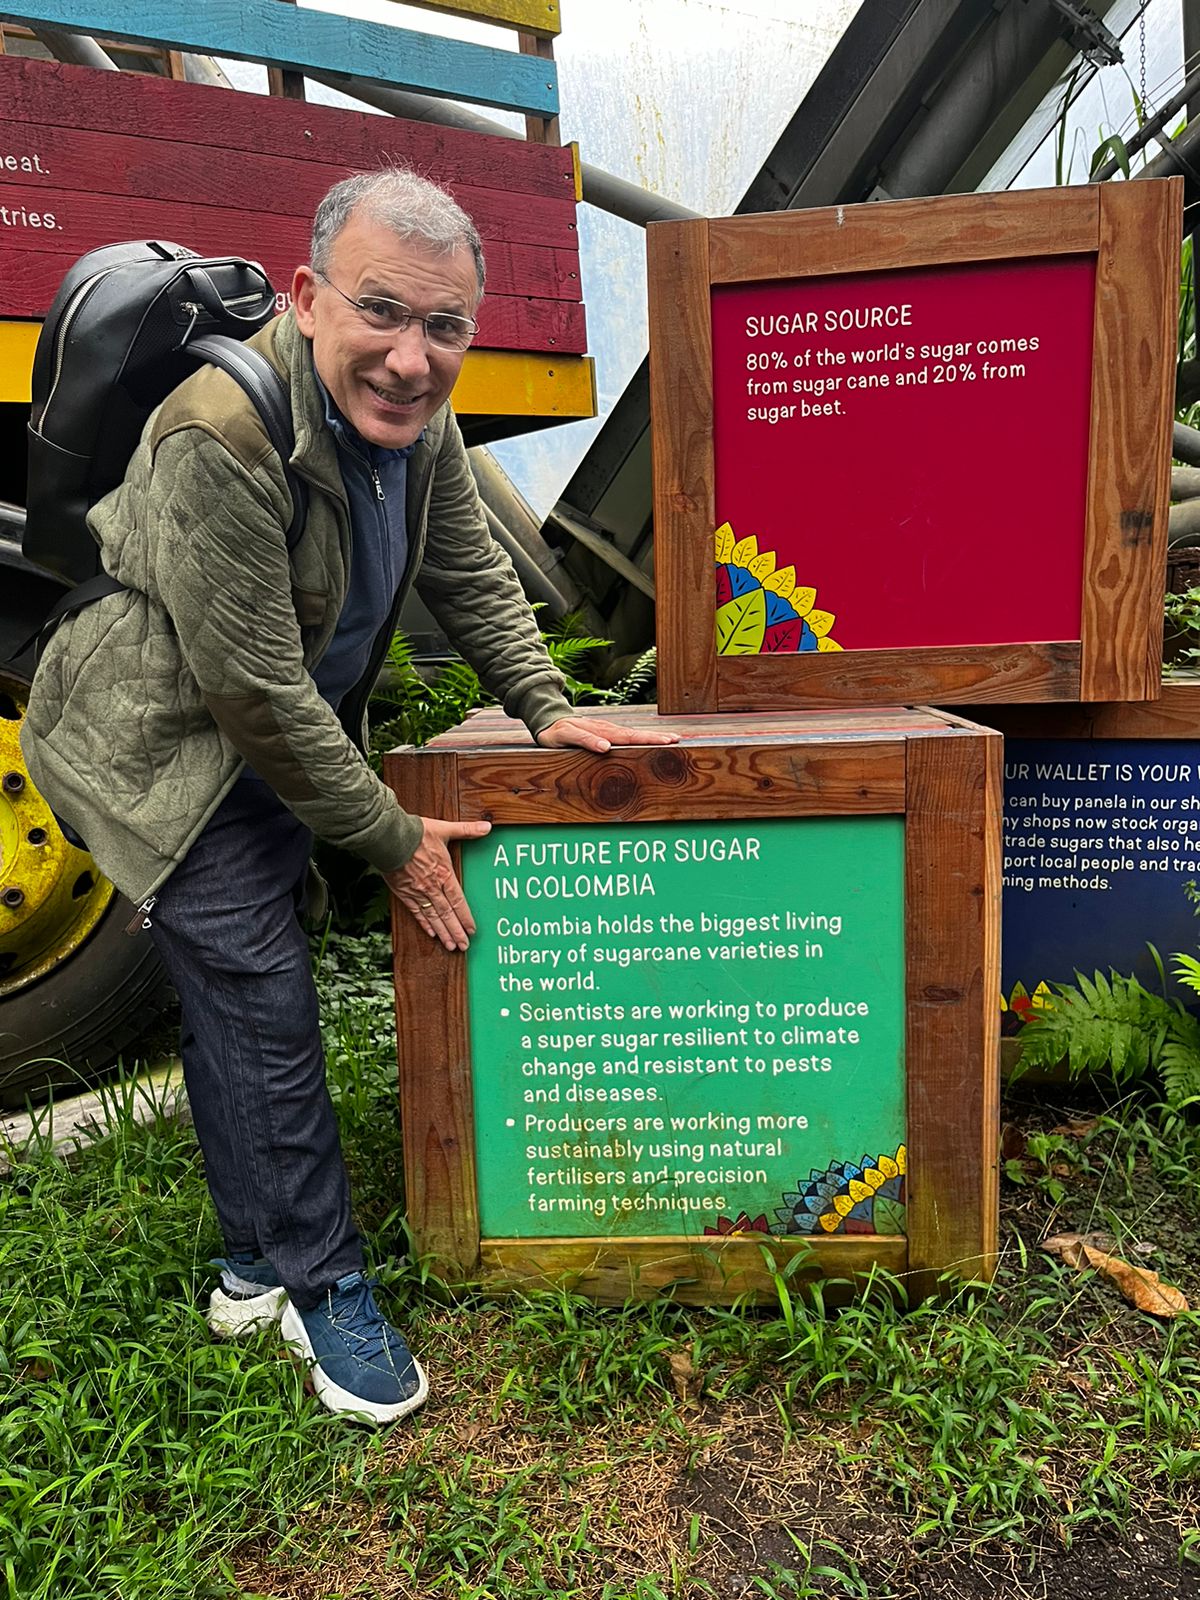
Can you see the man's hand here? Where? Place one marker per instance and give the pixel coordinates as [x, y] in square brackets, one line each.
[591, 733]
[427, 886]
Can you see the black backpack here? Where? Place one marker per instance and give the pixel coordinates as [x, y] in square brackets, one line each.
[129, 323]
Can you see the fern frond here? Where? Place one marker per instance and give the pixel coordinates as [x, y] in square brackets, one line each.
[1099, 1024]
[638, 681]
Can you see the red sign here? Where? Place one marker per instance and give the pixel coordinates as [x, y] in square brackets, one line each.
[901, 457]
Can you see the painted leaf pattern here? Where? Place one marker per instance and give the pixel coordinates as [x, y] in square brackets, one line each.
[742, 624]
[761, 610]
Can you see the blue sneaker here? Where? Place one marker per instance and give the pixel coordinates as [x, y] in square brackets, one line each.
[358, 1363]
[248, 1298]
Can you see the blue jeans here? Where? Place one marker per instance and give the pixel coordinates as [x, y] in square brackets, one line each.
[227, 927]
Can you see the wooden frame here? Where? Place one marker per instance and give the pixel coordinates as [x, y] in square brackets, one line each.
[1132, 230]
[941, 773]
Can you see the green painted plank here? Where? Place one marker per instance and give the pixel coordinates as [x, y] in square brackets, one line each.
[286, 36]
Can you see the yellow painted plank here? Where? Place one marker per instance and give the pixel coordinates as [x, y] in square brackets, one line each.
[512, 383]
[577, 167]
[17, 340]
[508, 383]
[530, 16]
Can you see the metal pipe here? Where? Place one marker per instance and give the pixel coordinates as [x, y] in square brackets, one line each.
[203, 69]
[1150, 127]
[533, 580]
[1185, 444]
[74, 48]
[601, 189]
[502, 497]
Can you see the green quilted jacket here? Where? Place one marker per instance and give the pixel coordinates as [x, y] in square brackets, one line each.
[147, 703]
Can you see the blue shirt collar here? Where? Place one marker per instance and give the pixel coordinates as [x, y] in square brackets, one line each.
[346, 434]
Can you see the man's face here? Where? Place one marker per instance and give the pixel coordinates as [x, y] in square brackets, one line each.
[387, 385]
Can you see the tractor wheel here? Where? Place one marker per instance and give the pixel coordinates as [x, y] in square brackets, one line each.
[75, 989]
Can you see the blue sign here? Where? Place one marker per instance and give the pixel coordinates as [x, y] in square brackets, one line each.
[1101, 840]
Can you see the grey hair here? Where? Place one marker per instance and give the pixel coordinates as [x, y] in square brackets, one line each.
[411, 206]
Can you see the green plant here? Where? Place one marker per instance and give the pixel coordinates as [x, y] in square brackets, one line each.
[412, 706]
[1116, 1026]
[1181, 631]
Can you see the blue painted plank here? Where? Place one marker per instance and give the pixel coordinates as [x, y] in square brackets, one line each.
[286, 36]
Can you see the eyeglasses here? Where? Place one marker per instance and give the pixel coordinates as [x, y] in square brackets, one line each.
[442, 328]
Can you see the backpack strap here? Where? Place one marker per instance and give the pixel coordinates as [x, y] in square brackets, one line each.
[260, 381]
[258, 378]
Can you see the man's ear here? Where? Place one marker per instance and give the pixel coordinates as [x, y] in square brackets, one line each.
[304, 288]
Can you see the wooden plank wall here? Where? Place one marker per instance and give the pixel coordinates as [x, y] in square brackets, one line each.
[264, 30]
[90, 157]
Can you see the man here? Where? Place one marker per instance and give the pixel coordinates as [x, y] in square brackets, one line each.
[200, 727]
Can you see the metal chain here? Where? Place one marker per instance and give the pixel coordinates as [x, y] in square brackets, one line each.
[1142, 54]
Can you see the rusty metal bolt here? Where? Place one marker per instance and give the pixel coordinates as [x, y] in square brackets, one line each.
[14, 782]
[13, 898]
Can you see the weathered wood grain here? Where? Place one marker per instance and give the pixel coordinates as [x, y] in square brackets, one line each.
[540, 130]
[895, 234]
[489, 730]
[684, 783]
[944, 673]
[952, 947]
[51, 94]
[681, 433]
[287, 36]
[1129, 454]
[1175, 715]
[434, 1054]
[704, 1271]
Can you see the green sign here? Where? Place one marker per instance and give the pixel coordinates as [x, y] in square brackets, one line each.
[689, 1029]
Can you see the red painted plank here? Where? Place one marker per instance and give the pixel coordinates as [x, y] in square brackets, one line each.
[91, 165]
[32, 276]
[51, 94]
[28, 279]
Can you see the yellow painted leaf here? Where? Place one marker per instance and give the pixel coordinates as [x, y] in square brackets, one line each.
[874, 1177]
[742, 624]
[843, 1204]
[827, 644]
[831, 1222]
[902, 1158]
[724, 541]
[782, 583]
[859, 1191]
[763, 565]
[820, 622]
[744, 551]
[804, 600]
[888, 1167]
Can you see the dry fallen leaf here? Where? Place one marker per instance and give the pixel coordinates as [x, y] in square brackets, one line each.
[683, 1374]
[1141, 1287]
[1013, 1143]
[1078, 1130]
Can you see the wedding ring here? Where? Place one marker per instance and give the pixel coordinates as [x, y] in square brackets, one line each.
[424, 905]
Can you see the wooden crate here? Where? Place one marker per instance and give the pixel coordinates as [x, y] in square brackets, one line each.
[1122, 785]
[639, 916]
[930, 440]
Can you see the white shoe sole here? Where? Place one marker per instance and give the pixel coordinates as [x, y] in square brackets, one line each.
[332, 1395]
[238, 1319]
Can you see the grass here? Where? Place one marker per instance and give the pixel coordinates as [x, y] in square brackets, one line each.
[645, 1453]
